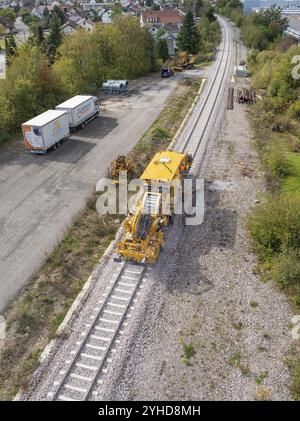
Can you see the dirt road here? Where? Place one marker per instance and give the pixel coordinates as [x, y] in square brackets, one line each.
[41, 195]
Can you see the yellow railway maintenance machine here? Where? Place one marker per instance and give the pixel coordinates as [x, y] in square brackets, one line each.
[145, 225]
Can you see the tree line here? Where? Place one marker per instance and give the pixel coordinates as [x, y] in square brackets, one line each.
[38, 79]
[259, 30]
[201, 36]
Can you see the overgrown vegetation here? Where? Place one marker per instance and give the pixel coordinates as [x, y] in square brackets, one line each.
[259, 29]
[188, 352]
[33, 318]
[274, 223]
[81, 63]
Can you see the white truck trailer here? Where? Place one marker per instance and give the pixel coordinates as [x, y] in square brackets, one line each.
[81, 109]
[46, 131]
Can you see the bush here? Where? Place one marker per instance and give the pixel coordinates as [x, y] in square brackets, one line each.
[286, 268]
[294, 110]
[277, 161]
[275, 225]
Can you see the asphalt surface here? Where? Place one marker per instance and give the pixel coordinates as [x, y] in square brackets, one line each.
[41, 195]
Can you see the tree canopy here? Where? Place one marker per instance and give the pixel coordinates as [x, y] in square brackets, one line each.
[188, 38]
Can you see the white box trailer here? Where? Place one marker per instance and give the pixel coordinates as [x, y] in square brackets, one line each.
[81, 109]
[45, 131]
[241, 71]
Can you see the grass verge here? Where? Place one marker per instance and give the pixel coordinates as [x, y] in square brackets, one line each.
[33, 318]
[274, 223]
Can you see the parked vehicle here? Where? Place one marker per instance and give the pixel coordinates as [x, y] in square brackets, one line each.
[115, 86]
[167, 72]
[80, 110]
[184, 61]
[241, 71]
[46, 131]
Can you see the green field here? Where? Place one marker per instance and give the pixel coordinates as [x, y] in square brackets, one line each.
[291, 183]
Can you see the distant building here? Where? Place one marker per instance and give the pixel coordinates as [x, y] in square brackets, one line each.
[106, 15]
[86, 24]
[287, 5]
[170, 38]
[161, 18]
[71, 26]
[68, 28]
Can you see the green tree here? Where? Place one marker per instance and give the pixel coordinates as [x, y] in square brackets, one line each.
[116, 10]
[8, 13]
[188, 38]
[54, 39]
[56, 11]
[160, 32]
[119, 51]
[271, 19]
[10, 47]
[30, 88]
[162, 49]
[198, 7]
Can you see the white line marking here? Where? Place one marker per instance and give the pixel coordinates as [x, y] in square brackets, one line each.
[124, 284]
[116, 305]
[108, 321]
[100, 338]
[88, 367]
[65, 398]
[76, 376]
[123, 291]
[104, 329]
[119, 298]
[132, 271]
[77, 389]
[99, 348]
[114, 313]
[92, 357]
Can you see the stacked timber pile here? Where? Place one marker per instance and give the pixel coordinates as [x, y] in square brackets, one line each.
[245, 96]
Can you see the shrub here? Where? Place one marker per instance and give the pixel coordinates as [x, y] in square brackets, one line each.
[277, 161]
[294, 110]
[275, 225]
[286, 268]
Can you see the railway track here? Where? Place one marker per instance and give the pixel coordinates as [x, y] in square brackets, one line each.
[193, 135]
[89, 361]
[86, 364]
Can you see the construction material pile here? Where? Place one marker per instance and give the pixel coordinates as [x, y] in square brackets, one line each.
[245, 95]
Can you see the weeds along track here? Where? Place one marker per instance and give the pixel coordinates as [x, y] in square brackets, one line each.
[89, 360]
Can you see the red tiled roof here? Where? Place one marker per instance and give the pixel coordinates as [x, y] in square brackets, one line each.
[163, 16]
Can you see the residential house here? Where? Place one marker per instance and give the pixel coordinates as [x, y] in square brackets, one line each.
[106, 15]
[161, 18]
[38, 11]
[170, 38]
[86, 24]
[68, 28]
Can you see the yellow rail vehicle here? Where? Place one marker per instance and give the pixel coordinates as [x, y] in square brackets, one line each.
[145, 225]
